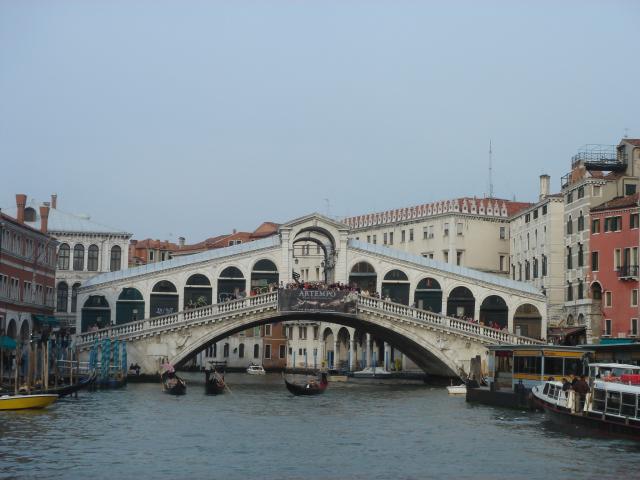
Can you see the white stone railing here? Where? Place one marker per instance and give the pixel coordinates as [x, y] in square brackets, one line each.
[247, 305]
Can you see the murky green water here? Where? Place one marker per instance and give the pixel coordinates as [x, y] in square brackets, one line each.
[353, 431]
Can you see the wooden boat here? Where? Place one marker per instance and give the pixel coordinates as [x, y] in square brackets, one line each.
[308, 388]
[214, 383]
[173, 384]
[23, 402]
[64, 390]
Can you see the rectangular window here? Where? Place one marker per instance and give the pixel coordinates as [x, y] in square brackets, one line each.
[384, 238]
[411, 234]
[459, 228]
[390, 238]
[425, 233]
[375, 239]
[267, 330]
[368, 238]
[607, 327]
[302, 333]
[634, 327]
[594, 261]
[569, 197]
[402, 236]
[267, 351]
[446, 229]
[459, 258]
[535, 214]
[503, 233]
[581, 192]
[569, 258]
[569, 291]
[630, 189]
[283, 351]
[616, 259]
[316, 333]
[595, 225]
[634, 297]
[633, 220]
[608, 299]
[597, 190]
[527, 218]
[501, 263]
[544, 265]
[445, 254]
[544, 209]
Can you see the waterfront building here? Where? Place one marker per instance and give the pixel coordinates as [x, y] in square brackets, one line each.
[85, 249]
[142, 252]
[469, 232]
[598, 174]
[537, 249]
[27, 272]
[614, 241]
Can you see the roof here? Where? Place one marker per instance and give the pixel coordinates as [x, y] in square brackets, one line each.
[26, 226]
[632, 141]
[484, 207]
[541, 348]
[437, 265]
[64, 222]
[619, 202]
[269, 242]
[266, 229]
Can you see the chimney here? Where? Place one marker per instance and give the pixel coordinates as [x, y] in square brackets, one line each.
[181, 241]
[21, 201]
[544, 186]
[54, 201]
[44, 218]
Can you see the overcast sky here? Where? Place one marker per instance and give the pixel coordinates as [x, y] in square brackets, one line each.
[170, 118]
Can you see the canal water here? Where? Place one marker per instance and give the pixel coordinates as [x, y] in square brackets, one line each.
[353, 431]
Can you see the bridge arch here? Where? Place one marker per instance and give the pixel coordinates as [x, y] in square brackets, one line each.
[461, 302]
[198, 291]
[527, 321]
[264, 272]
[396, 286]
[363, 275]
[163, 299]
[494, 310]
[95, 312]
[428, 295]
[231, 283]
[129, 306]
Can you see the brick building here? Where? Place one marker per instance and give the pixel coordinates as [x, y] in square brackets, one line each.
[27, 272]
[615, 238]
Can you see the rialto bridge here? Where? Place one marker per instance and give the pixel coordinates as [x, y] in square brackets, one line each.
[156, 307]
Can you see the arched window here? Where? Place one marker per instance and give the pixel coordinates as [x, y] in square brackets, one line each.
[241, 351]
[225, 353]
[116, 258]
[256, 351]
[78, 257]
[63, 257]
[74, 297]
[63, 297]
[92, 260]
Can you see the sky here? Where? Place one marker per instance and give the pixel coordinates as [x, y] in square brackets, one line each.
[173, 118]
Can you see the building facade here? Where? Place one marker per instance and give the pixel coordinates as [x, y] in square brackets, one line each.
[537, 254]
[27, 273]
[598, 174]
[614, 242]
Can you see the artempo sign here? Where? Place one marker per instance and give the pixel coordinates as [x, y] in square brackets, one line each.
[317, 301]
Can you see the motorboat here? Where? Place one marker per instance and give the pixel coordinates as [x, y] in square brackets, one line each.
[457, 389]
[610, 405]
[24, 402]
[255, 370]
[311, 387]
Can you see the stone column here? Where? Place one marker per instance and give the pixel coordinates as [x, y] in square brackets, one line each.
[335, 351]
[404, 362]
[367, 361]
[387, 356]
[476, 310]
[352, 354]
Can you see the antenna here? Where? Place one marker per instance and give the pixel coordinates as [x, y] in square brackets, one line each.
[490, 171]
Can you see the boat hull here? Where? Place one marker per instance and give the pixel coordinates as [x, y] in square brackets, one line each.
[179, 387]
[25, 402]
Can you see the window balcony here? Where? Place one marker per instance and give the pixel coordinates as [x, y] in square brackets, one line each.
[628, 272]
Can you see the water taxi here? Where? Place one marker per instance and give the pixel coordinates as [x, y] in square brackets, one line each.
[23, 402]
[610, 404]
[457, 390]
[255, 370]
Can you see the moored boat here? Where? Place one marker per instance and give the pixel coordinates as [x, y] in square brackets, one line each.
[24, 402]
[457, 389]
[311, 387]
[255, 370]
[214, 383]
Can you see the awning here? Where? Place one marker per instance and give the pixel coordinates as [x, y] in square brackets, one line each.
[46, 320]
[560, 332]
[7, 342]
[616, 341]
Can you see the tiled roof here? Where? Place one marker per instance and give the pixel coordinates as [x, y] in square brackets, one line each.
[64, 222]
[488, 207]
[435, 264]
[618, 202]
[269, 242]
[633, 141]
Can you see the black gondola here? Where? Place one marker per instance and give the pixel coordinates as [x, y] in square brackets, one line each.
[214, 383]
[173, 384]
[64, 390]
[308, 388]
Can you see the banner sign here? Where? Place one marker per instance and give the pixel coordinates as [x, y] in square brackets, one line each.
[329, 301]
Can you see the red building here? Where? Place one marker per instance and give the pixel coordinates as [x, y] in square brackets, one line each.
[27, 272]
[615, 238]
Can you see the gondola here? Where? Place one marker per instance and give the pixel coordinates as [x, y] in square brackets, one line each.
[308, 388]
[173, 384]
[214, 383]
[64, 390]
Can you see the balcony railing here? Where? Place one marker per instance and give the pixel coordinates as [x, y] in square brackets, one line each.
[628, 272]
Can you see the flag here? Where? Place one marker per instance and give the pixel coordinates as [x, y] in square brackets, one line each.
[295, 275]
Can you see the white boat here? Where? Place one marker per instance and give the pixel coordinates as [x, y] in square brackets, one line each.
[457, 389]
[255, 370]
[371, 372]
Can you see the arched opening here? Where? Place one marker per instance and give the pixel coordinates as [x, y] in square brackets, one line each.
[96, 313]
[92, 258]
[461, 303]
[231, 284]
[78, 257]
[25, 331]
[12, 329]
[596, 291]
[329, 356]
[264, 274]
[570, 320]
[63, 257]
[428, 295]
[344, 340]
[62, 297]
[197, 291]
[581, 319]
[225, 350]
[164, 299]
[494, 312]
[241, 350]
[129, 306]
[527, 321]
[363, 276]
[313, 251]
[256, 351]
[395, 287]
[116, 258]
